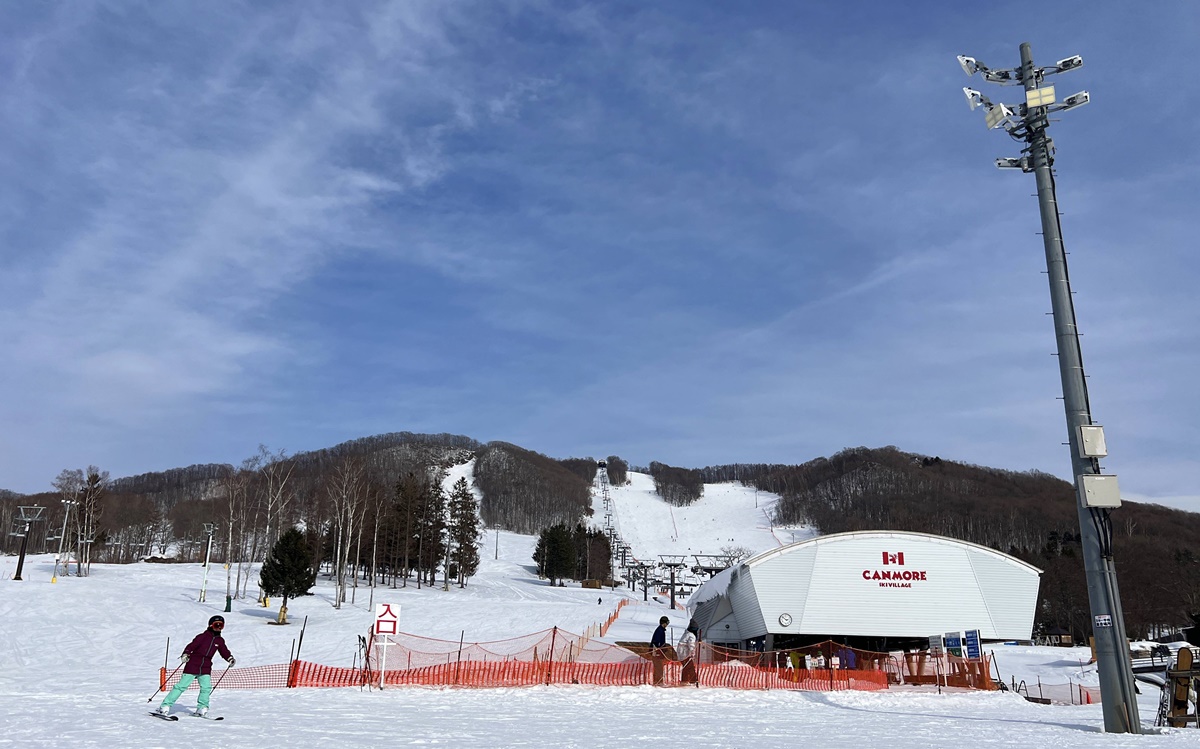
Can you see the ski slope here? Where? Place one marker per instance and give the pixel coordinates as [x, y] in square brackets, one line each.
[79, 661]
[727, 515]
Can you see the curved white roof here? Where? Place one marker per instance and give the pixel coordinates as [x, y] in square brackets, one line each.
[839, 537]
[873, 583]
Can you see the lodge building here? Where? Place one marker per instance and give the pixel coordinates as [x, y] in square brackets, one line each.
[877, 590]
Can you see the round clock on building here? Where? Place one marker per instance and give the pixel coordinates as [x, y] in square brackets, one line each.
[785, 620]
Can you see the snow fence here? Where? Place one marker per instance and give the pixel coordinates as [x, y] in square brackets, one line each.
[554, 656]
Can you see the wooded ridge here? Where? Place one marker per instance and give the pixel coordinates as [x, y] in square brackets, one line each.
[1030, 515]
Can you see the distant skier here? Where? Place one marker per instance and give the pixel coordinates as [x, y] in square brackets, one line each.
[658, 644]
[198, 658]
[686, 649]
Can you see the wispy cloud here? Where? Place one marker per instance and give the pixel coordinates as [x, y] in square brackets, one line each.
[754, 235]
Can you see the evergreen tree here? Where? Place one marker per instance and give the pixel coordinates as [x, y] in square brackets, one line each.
[555, 553]
[289, 570]
[464, 531]
[429, 523]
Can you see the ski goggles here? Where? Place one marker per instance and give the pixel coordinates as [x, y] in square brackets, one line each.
[218, 625]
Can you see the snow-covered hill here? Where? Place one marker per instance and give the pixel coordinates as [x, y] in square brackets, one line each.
[79, 661]
[726, 516]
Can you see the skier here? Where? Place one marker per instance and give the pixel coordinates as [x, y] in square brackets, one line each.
[197, 658]
[686, 650]
[658, 644]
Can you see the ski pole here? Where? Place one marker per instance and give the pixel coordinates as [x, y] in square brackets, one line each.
[222, 676]
[160, 689]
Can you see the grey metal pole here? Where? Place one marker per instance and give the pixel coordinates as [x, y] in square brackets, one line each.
[61, 537]
[207, 557]
[1112, 651]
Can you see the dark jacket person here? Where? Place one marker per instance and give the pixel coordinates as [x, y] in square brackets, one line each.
[197, 666]
[658, 643]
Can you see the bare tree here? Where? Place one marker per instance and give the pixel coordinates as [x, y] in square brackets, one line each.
[69, 485]
[274, 472]
[346, 495]
[235, 484]
[91, 498]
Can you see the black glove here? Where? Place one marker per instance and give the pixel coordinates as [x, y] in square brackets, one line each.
[232, 661]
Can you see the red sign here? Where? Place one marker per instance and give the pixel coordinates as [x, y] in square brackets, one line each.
[387, 620]
[892, 578]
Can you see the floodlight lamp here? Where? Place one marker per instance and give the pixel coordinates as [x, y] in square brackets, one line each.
[1010, 163]
[1039, 97]
[1002, 76]
[975, 99]
[1076, 100]
[997, 115]
[1070, 63]
[969, 65]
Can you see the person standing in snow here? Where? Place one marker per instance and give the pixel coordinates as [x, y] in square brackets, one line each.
[686, 649]
[198, 658]
[658, 644]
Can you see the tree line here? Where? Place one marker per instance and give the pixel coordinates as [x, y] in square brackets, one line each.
[578, 553]
[677, 486]
[525, 491]
[373, 511]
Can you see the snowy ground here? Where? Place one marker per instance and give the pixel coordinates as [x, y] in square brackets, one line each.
[79, 662]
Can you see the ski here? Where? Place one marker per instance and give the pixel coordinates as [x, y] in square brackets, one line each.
[160, 716]
[208, 717]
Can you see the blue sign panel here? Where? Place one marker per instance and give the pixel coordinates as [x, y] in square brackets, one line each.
[971, 640]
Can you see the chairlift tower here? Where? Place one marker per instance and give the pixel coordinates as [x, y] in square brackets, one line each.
[29, 515]
[673, 562]
[1096, 494]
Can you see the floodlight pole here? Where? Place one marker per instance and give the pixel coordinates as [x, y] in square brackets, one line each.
[209, 528]
[62, 537]
[1118, 696]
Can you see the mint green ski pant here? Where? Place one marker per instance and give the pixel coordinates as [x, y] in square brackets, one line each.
[184, 682]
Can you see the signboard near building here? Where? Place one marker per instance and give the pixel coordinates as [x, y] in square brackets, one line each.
[971, 643]
[954, 644]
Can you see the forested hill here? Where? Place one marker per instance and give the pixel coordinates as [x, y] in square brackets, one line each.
[1030, 515]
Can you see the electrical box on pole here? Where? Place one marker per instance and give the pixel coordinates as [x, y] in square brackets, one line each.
[1099, 491]
[1091, 441]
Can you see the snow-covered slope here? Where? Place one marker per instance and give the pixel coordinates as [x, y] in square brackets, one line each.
[727, 515]
[79, 662]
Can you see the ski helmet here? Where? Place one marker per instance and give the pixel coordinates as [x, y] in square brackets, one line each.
[216, 622]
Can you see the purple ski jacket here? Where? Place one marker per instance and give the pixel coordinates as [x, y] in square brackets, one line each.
[200, 652]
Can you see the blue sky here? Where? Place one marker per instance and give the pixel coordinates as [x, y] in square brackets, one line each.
[691, 232]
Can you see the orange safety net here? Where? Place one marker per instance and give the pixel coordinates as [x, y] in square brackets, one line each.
[822, 666]
[403, 651]
[248, 677]
[613, 617]
[1060, 694]
[557, 657]
[948, 670]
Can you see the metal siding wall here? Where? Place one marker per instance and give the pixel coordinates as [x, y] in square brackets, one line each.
[782, 583]
[1011, 598]
[745, 606]
[723, 630]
